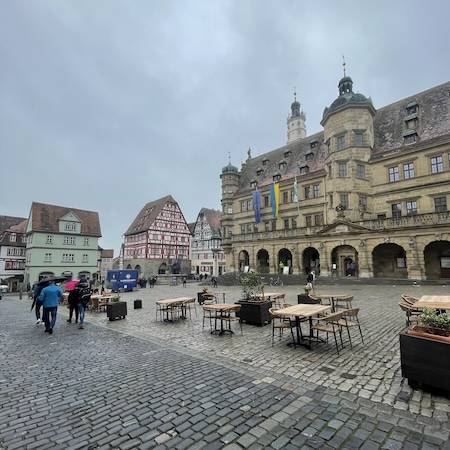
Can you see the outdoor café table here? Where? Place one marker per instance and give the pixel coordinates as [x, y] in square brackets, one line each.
[433, 301]
[220, 310]
[169, 303]
[332, 298]
[300, 311]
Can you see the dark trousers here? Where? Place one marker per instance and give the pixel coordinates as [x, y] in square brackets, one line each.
[73, 308]
[37, 309]
[50, 317]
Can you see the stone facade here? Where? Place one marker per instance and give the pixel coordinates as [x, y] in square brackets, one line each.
[373, 191]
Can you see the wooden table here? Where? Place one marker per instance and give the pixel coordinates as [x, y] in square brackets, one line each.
[222, 312]
[433, 301]
[302, 311]
[270, 295]
[169, 304]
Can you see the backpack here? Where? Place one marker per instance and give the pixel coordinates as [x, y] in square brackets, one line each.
[84, 295]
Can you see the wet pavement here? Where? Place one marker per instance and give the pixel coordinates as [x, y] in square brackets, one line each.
[142, 383]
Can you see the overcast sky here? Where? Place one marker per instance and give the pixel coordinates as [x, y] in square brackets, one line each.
[106, 105]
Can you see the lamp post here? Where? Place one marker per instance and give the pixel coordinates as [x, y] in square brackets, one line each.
[216, 246]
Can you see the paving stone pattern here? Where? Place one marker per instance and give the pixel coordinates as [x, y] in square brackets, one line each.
[139, 383]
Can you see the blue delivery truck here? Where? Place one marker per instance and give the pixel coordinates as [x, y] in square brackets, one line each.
[125, 279]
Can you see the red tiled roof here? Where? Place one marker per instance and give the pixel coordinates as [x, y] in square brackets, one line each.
[44, 218]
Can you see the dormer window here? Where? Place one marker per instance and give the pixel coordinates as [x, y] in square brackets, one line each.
[253, 183]
[412, 108]
[410, 136]
[304, 168]
[411, 122]
[12, 237]
[282, 164]
[313, 144]
[287, 153]
[259, 171]
[265, 161]
[309, 155]
[276, 177]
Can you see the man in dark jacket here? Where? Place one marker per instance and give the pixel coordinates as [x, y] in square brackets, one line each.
[84, 297]
[73, 304]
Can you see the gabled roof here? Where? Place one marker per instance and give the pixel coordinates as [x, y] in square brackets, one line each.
[107, 253]
[342, 226]
[44, 218]
[148, 215]
[213, 218]
[6, 222]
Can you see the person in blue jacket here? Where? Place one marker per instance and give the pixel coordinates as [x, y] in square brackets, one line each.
[49, 297]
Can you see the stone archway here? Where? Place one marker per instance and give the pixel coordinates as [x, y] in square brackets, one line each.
[389, 261]
[285, 257]
[437, 260]
[311, 260]
[263, 261]
[344, 261]
[244, 261]
[162, 269]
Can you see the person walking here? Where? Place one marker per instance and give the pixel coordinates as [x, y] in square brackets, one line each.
[184, 281]
[84, 297]
[37, 304]
[73, 304]
[49, 297]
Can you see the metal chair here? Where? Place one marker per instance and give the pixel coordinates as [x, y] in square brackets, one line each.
[330, 325]
[281, 323]
[350, 320]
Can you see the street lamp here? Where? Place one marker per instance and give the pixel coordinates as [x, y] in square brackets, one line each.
[216, 247]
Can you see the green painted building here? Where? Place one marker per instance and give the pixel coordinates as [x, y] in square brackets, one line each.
[62, 241]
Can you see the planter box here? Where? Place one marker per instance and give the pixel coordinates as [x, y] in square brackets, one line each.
[116, 310]
[256, 313]
[425, 362]
[137, 304]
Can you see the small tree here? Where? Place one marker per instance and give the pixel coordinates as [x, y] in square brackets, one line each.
[252, 284]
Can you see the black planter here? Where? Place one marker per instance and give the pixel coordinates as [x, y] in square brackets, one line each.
[305, 298]
[425, 362]
[137, 304]
[116, 310]
[256, 313]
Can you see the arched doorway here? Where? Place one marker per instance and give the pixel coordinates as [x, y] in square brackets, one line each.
[437, 260]
[311, 260]
[285, 257]
[85, 275]
[162, 269]
[344, 261]
[389, 261]
[138, 268]
[262, 261]
[244, 261]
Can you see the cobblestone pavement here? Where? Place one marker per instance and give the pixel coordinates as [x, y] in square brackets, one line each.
[139, 383]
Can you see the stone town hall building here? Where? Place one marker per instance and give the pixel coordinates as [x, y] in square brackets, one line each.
[373, 188]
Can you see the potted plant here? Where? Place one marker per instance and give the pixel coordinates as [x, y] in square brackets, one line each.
[254, 308]
[425, 351]
[434, 324]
